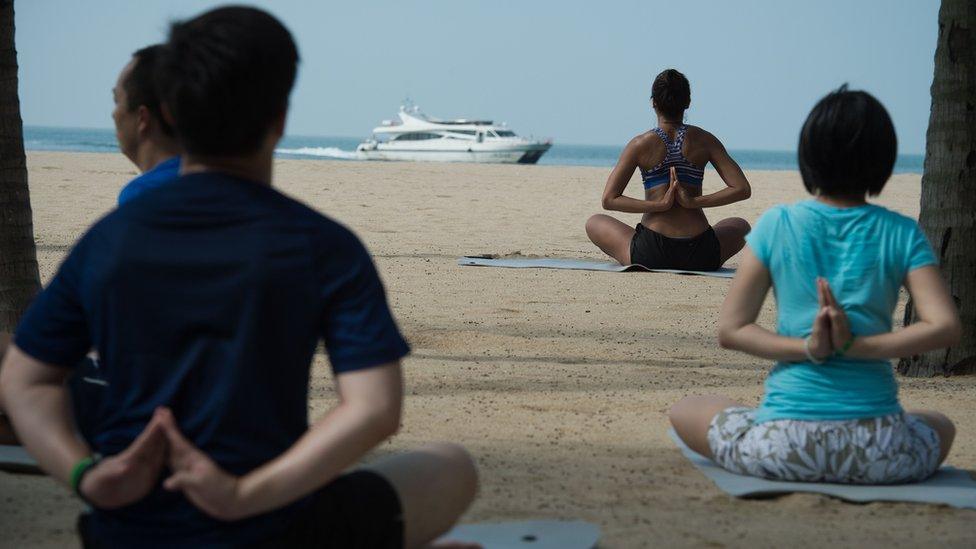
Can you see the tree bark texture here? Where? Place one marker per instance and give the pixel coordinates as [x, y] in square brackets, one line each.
[948, 208]
[19, 279]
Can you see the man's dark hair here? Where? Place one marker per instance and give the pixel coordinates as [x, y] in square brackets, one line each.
[140, 85]
[224, 77]
[671, 93]
[847, 145]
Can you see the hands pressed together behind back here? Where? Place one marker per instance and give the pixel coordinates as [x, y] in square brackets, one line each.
[675, 195]
[936, 327]
[132, 474]
[831, 329]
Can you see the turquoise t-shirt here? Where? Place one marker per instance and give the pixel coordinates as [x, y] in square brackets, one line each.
[864, 252]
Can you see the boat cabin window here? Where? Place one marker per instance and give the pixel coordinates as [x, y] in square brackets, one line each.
[416, 136]
[465, 132]
[505, 133]
[491, 133]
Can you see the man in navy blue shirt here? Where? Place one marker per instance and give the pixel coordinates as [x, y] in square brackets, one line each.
[205, 299]
[144, 136]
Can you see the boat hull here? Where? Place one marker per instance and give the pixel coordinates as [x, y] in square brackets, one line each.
[521, 155]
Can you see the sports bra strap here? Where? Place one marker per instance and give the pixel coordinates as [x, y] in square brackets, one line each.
[674, 157]
[679, 138]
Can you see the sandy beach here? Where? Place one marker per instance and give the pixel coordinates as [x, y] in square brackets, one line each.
[557, 381]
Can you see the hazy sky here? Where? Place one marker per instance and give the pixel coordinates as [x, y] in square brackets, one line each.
[579, 72]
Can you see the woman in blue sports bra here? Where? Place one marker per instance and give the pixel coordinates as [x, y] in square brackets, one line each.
[674, 232]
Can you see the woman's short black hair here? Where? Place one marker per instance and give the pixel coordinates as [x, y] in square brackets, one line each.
[671, 93]
[225, 76]
[140, 85]
[847, 145]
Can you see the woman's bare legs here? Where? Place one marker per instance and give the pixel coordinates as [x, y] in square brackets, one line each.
[731, 233]
[692, 415]
[611, 236]
[942, 425]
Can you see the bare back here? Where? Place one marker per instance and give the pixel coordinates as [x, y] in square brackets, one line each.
[678, 221]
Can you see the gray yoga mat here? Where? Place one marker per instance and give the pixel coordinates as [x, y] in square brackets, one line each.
[14, 459]
[578, 265]
[534, 534]
[948, 486]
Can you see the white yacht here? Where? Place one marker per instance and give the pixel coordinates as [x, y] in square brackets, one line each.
[415, 136]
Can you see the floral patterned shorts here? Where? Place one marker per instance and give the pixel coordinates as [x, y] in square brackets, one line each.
[889, 449]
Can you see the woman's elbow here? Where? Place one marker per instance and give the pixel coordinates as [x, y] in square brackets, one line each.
[726, 338]
[945, 332]
[953, 332]
[607, 203]
[746, 192]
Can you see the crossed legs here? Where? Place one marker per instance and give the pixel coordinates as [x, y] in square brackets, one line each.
[436, 484]
[613, 236]
[692, 416]
[942, 425]
[731, 233]
[610, 235]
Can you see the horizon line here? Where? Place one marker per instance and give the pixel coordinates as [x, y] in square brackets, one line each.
[787, 151]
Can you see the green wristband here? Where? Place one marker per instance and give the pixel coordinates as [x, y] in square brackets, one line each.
[846, 347]
[84, 465]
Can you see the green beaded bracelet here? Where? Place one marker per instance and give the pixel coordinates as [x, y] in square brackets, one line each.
[846, 347]
[84, 465]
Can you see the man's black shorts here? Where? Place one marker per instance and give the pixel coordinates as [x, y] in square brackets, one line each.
[359, 509]
[656, 251]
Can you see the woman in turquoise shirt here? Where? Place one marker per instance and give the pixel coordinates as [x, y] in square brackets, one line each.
[830, 411]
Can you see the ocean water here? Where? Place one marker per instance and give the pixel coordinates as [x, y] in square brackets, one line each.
[344, 148]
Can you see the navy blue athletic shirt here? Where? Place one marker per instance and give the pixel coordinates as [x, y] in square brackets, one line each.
[209, 295]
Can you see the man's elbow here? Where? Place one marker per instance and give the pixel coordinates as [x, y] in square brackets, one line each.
[607, 203]
[6, 386]
[385, 419]
[746, 192]
[391, 425]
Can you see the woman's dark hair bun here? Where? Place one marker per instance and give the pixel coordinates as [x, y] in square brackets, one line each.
[671, 93]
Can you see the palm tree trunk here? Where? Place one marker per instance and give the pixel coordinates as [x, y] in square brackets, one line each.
[19, 280]
[948, 209]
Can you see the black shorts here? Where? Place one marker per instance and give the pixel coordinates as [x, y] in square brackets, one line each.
[656, 251]
[358, 509]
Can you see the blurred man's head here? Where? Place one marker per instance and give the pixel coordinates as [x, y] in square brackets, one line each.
[139, 124]
[224, 78]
